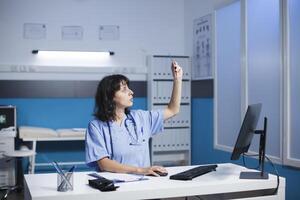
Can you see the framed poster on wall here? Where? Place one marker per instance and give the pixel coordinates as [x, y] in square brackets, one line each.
[201, 63]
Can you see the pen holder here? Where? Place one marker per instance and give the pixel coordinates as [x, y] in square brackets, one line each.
[65, 181]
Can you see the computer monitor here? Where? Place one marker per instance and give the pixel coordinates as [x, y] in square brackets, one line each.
[7, 121]
[243, 142]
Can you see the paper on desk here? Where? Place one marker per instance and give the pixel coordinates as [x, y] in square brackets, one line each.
[122, 178]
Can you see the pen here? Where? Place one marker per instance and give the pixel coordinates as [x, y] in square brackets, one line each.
[72, 168]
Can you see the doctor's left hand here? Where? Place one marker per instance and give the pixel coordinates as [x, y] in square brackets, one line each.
[152, 170]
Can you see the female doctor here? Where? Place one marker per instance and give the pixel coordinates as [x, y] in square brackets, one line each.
[117, 140]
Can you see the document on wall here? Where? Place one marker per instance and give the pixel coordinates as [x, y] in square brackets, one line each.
[34, 31]
[202, 67]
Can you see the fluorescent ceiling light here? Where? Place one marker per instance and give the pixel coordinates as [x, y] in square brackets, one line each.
[73, 53]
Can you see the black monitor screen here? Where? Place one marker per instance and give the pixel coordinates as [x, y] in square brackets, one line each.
[7, 117]
[247, 131]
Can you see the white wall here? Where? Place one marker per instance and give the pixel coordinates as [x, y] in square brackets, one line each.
[193, 10]
[146, 27]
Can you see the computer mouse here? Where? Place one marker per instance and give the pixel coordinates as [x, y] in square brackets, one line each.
[159, 173]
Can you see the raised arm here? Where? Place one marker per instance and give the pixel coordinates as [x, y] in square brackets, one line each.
[174, 104]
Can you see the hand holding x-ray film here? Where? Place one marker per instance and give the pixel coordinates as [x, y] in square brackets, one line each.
[176, 70]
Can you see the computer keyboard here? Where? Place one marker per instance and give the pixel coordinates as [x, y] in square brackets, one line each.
[194, 172]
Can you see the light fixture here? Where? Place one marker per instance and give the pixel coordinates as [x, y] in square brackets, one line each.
[73, 53]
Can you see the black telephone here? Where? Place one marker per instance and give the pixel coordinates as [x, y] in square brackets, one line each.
[103, 184]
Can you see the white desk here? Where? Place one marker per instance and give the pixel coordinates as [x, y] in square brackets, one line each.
[33, 164]
[224, 181]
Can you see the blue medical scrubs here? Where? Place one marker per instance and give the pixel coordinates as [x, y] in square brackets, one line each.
[128, 146]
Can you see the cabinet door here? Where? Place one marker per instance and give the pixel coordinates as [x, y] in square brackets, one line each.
[264, 70]
[292, 147]
[172, 147]
[227, 76]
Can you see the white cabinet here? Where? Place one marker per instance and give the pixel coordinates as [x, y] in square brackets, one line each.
[7, 144]
[7, 165]
[173, 146]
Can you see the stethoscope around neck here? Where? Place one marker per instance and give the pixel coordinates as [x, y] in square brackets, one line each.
[134, 141]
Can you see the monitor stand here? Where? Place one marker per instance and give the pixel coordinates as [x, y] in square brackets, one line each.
[254, 175]
[262, 151]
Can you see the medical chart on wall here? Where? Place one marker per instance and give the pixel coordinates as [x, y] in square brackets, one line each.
[72, 33]
[201, 64]
[34, 31]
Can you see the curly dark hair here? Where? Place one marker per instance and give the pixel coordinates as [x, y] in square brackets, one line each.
[105, 107]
